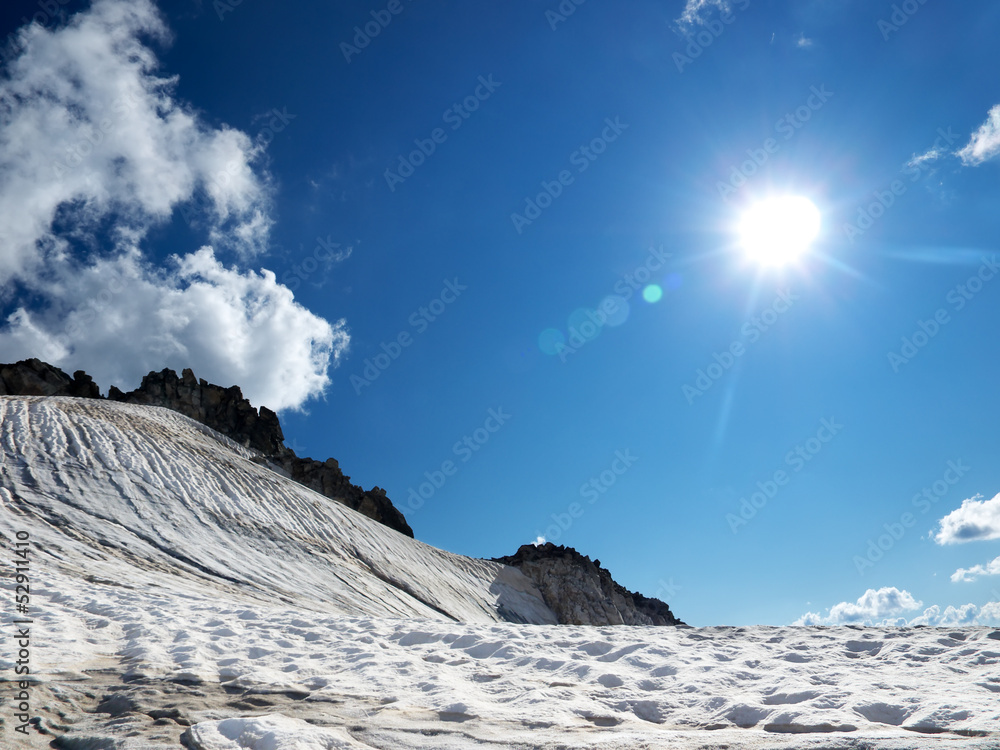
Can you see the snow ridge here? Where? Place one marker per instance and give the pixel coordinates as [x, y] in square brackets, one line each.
[153, 491]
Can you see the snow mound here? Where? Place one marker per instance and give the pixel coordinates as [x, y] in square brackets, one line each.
[271, 732]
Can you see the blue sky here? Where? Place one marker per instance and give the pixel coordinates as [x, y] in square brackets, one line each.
[277, 198]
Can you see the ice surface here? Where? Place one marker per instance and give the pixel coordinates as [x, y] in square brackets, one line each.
[179, 587]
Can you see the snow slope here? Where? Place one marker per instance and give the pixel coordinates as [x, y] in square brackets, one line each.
[178, 587]
[148, 495]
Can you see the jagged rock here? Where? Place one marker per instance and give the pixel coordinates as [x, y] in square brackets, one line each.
[225, 410]
[32, 377]
[327, 479]
[580, 592]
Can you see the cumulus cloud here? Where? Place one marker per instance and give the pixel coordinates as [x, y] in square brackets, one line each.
[886, 607]
[95, 151]
[119, 318]
[985, 142]
[873, 605]
[87, 124]
[989, 614]
[810, 618]
[992, 568]
[967, 614]
[976, 520]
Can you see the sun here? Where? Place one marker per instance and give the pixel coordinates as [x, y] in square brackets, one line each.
[779, 230]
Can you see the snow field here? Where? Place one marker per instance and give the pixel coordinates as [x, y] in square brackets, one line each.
[165, 555]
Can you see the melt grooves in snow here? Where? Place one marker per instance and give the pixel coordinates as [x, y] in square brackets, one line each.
[166, 556]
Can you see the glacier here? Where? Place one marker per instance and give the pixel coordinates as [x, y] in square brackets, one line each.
[185, 593]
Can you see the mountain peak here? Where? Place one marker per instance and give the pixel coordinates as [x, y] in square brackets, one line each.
[581, 592]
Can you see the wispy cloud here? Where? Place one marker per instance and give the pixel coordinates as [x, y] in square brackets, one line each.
[919, 160]
[976, 520]
[696, 11]
[889, 605]
[992, 568]
[95, 151]
[802, 42]
[985, 142]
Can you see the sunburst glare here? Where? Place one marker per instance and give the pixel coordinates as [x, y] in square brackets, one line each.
[779, 230]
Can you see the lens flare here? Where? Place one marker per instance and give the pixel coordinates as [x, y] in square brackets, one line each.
[652, 293]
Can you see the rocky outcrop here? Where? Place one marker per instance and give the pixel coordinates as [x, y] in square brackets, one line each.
[32, 377]
[327, 479]
[577, 590]
[225, 410]
[580, 592]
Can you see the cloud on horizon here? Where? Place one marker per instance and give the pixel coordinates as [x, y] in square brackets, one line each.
[870, 607]
[976, 520]
[886, 607]
[95, 151]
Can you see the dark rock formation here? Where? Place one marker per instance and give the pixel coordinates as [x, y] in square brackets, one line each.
[225, 410]
[32, 377]
[327, 479]
[580, 592]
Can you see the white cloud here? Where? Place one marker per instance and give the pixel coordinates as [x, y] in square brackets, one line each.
[989, 613]
[92, 138]
[918, 160]
[992, 568]
[695, 11]
[976, 520]
[874, 605]
[118, 319]
[87, 123]
[967, 614]
[539, 541]
[23, 339]
[886, 607]
[985, 142]
[810, 618]
[802, 42]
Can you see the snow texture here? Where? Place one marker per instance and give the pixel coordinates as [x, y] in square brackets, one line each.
[181, 588]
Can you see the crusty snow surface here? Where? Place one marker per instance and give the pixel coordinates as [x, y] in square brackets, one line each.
[179, 586]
